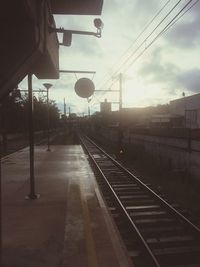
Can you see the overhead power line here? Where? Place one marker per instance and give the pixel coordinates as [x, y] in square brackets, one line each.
[180, 16]
[141, 33]
[138, 37]
[151, 33]
[167, 27]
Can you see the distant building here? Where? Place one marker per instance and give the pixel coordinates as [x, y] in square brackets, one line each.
[167, 120]
[189, 108]
[180, 113]
[143, 116]
[105, 107]
[136, 117]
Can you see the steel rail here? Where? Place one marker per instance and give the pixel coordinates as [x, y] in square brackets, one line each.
[143, 243]
[172, 210]
[114, 175]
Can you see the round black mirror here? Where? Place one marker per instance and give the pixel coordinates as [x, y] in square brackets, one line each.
[84, 87]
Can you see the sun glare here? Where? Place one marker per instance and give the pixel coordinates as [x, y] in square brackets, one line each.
[138, 94]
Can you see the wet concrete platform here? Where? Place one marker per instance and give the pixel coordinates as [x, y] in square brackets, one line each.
[68, 225]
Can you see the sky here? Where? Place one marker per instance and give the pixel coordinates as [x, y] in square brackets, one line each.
[154, 70]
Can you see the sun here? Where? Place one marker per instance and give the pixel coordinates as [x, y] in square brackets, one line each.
[137, 93]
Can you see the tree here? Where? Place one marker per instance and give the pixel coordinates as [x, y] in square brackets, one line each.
[14, 114]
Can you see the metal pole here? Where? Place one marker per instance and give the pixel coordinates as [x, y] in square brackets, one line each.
[47, 86]
[120, 92]
[88, 107]
[1, 198]
[32, 194]
[77, 71]
[48, 121]
[0, 210]
[64, 107]
[120, 115]
[4, 131]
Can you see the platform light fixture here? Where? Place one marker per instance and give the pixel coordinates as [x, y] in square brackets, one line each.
[99, 25]
[67, 34]
[48, 86]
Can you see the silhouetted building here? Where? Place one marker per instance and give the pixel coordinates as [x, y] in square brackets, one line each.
[29, 42]
[167, 121]
[189, 108]
[105, 107]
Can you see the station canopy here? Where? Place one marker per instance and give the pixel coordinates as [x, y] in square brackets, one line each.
[76, 7]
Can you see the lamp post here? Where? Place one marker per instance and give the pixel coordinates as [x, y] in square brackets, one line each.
[67, 34]
[47, 86]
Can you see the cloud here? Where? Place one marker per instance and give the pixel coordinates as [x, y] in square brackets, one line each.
[186, 32]
[190, 80]
[171, 64]
[186, 35]
[145, 7]
[169, 75]
[87, 46]
[156, 70]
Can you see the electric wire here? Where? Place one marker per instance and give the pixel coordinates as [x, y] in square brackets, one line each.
[145, 40]
[142, 32]
[149, 35]
[182, 14]
[166, 28]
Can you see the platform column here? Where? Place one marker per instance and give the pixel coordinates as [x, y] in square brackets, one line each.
[0, 209]
[32, 194]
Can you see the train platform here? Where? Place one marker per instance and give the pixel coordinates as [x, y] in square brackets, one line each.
[68, 225]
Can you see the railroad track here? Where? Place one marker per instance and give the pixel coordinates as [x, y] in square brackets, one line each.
[154, 232]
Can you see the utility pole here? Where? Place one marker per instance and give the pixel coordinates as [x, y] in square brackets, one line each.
[64, 107]
[88, 100]
[32, 194]
[120, 115]
[120, 92]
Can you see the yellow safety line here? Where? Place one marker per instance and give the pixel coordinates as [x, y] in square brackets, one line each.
[91, 251]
